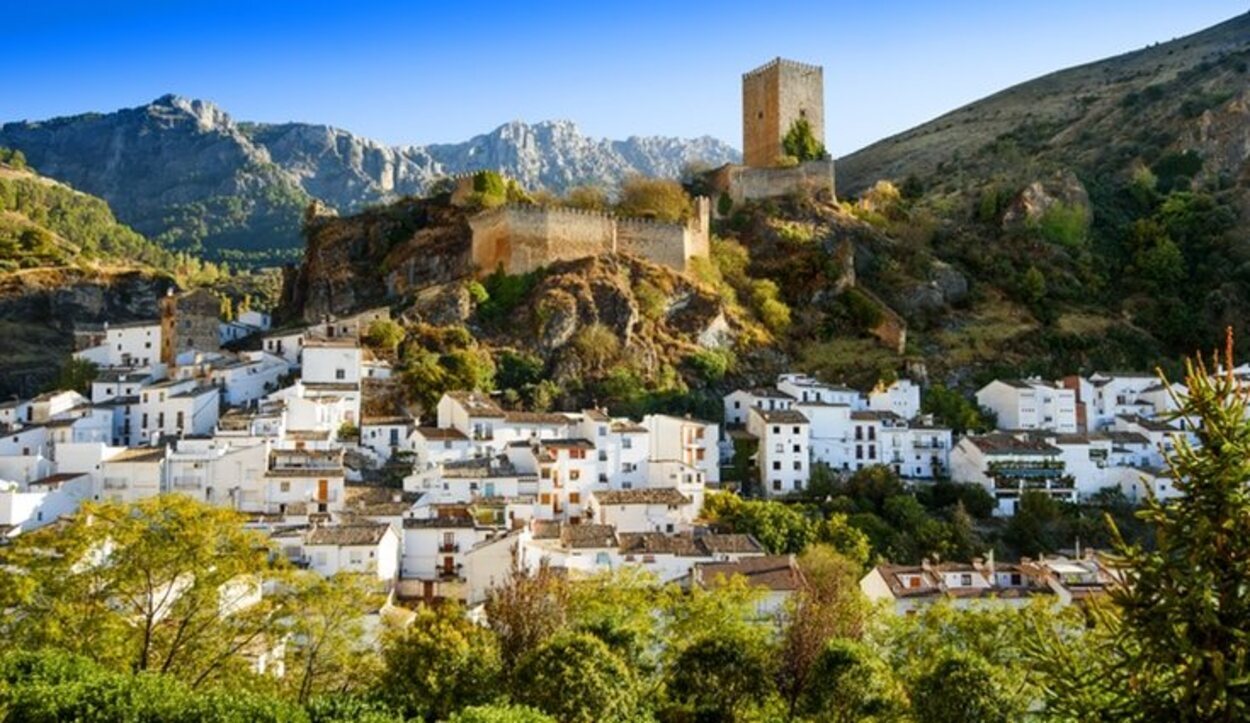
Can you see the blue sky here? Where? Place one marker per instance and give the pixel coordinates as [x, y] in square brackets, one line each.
[416, 72]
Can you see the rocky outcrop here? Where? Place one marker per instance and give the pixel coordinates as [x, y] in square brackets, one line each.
[1040, 196]
[186, 171]
[39, 309]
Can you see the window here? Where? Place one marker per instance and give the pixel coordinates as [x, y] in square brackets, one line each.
[796, 430]
[859, 432]
[603, 431]
[777, 485]
[627, 443]
[284, 486]
[340, 374]
[577, 454]
[544, 498]
[798, 448]
[965, 580]
[737, 405]
[1015, 579]
[859, 451]
[575, 498]
[776, 430]
[798, 466]
[872, 452]
[574, 475]
[779, 447]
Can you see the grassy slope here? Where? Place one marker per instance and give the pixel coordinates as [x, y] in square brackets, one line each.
[1073, 110]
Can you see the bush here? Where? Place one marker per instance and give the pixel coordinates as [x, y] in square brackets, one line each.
[1064, 223]
[489, 189]
[710, 364]
[801, 143]
[774, 314]
[596, 346]
[384, 334]
[724, 204]
[588, 198]
[657, 198]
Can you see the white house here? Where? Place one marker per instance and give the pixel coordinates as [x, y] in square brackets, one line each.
[135, 345]
[783, 459]
[363, 548]
[685, 440]
[778, 578]
[908, 589]
[658, 509]
[131, 475]
[385, 436]
[30, 505]
[901, 397]
[1007, 465]
[740, 402]
[301, 481]
[286, 343]
[1030, 404]
[175, 407]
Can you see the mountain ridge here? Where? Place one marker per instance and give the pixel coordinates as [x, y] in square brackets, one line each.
[184, 172]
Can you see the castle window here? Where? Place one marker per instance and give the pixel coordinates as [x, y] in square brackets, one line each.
[802, 112]
[761, 115]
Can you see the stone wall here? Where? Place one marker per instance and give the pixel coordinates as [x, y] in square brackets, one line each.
[744, 183]
[521, 239]
[189, 321]
[774, 96]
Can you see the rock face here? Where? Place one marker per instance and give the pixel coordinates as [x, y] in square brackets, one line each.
[184, 171]
[1039, 196]
[39, 309]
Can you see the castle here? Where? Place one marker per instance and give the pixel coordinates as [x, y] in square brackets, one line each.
[775, 96]
[521, 238]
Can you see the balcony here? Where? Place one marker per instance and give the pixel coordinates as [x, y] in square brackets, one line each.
[116, 483]
[449, 547]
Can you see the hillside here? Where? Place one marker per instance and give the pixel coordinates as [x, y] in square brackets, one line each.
[1099, 213]
[1098, 117]
[187, 174]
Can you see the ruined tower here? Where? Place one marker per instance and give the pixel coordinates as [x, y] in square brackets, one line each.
[774, 96]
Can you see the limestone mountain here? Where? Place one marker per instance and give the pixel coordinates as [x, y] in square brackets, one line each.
[184, 172]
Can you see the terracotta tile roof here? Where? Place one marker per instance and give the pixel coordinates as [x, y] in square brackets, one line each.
[731, 543]
[347, 535]
[645, 496]
[442, 433]
[1002, 443]
[781, 416]
[588, 536]
[779, 573]
[536, 418]
[567, 443]
[138, 454]
[658, 543]
[477, 404]
[627, 427]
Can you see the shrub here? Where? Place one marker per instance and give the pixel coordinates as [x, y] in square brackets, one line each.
[657, 198]
[651, 300]
[801, 142]
[596, 346]
[384, 334]
[724, 204]
[772, 311]
[589, 198]
[1064, 223]
[710, 364]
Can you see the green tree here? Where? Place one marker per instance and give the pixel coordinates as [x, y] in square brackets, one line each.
[165, 585]
[850, 683]
[954, 410]
[327, 633]
[527, 610]
[827, 606]
[779, 527]
[1174, 645]
[77, 374]
[961, 687]
[1037, 526]
[576, 678]
[801, 143]
[1033, 285]
[715, 676]
[438, 664]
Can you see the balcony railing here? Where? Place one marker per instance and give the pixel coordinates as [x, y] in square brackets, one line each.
[449, 547]
[116, 483]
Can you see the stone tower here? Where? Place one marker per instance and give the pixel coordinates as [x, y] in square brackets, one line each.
[774, 96]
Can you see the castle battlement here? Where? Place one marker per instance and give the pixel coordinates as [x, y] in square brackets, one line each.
[521, 237]
[778, 62]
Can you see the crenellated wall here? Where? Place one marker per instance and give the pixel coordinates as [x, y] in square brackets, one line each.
[523, 238]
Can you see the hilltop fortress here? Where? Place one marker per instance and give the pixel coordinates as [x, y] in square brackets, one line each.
[521, 238]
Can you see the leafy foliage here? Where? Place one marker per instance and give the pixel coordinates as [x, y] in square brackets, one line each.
[801, 143]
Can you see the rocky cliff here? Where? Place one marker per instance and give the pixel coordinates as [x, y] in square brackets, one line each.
[183, 171]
